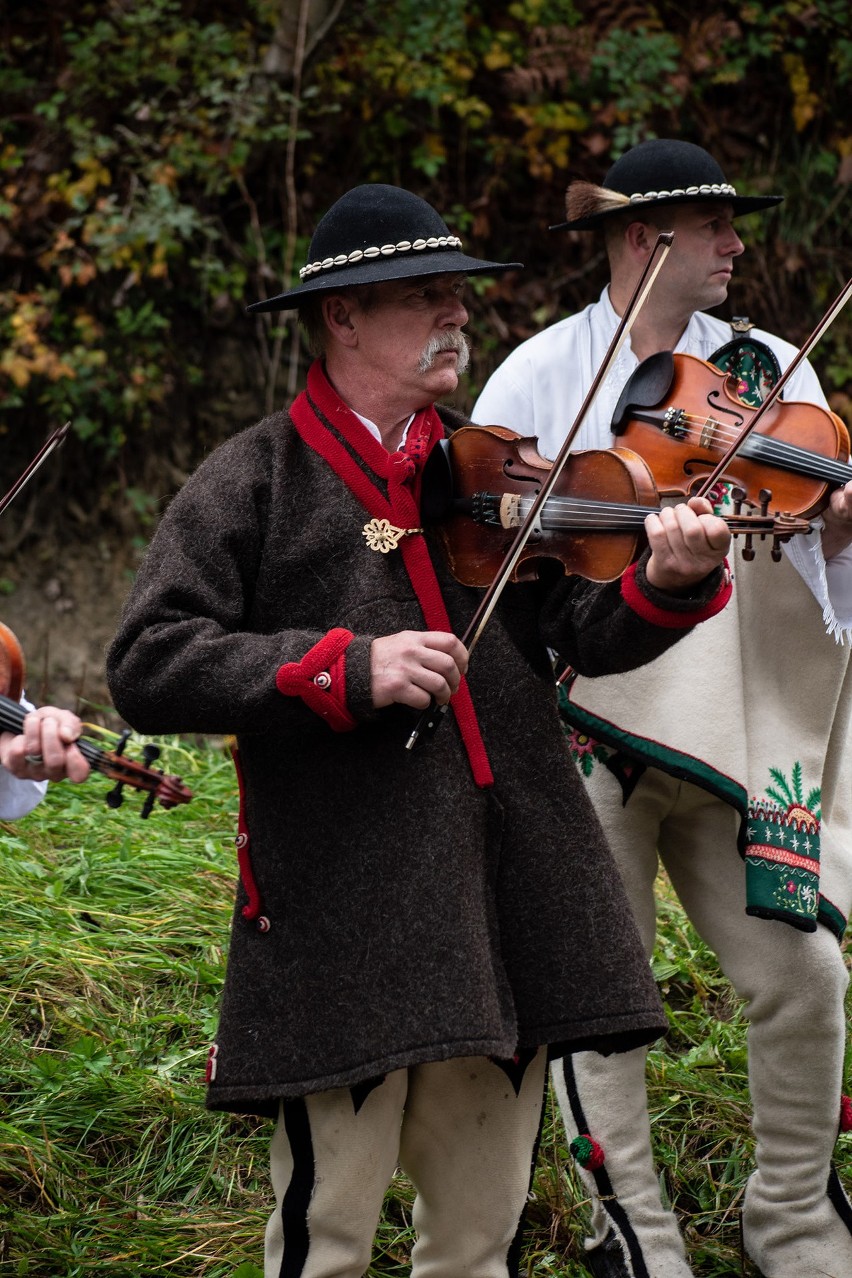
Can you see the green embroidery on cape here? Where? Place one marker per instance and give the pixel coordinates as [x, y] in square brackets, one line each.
[607, 738]
[779, 831]
[782, 847]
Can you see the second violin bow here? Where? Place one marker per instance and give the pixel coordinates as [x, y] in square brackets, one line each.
[41, 456]
[430, 719]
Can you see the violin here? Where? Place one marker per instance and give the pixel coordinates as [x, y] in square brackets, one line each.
[165, 790]
[479, 484]
[682, 414]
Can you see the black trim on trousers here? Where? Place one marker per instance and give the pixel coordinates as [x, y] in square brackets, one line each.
[296, 1200]
[603, 1184]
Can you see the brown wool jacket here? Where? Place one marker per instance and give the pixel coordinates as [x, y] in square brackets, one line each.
[397, 912]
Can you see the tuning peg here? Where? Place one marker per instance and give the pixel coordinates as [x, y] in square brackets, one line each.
[765, 496]
[148, 805]
[114, 797]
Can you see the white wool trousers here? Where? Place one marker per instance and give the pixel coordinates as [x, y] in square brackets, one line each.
[796, 1220]
[464, 1131]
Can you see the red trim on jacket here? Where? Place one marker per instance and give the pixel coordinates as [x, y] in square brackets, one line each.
[320, 679]
[401, 472]
[251, 910]
[666, 617]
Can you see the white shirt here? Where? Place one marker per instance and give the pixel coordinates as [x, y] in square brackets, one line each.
[540, 387]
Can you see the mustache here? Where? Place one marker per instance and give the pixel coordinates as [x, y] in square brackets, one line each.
[451, 340]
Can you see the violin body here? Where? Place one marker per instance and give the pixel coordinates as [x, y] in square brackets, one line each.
[479, 486]
[12, 667]
[476, 490]
[681, 414]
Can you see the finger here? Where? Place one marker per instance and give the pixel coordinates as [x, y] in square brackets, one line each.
[52, 749]
[700, 505]
[441, 663]
[76, 767]
[31, 733]
[443, 641]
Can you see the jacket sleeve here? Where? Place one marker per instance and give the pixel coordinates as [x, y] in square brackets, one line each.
[188, 656]
[602, 629]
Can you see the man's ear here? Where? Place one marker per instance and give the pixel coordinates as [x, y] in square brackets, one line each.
[640, 237]
[337, 311]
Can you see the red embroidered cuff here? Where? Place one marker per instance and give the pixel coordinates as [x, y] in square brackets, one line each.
[670, 618]
[320, 679]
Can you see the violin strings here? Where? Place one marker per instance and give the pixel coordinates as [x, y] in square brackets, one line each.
[574, 512]
[11, 715]
[579, 514]
[771, 449]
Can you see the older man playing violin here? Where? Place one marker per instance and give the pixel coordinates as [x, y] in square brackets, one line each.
[729, 760]
[399, 968]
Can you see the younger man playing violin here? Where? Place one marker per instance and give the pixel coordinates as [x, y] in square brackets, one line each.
[399, 968]
[729, 759]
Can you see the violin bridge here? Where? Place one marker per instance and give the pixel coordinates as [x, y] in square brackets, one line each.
[510, 510]
[512, 516]
[708, 432]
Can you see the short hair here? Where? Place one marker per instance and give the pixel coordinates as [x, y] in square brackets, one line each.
[313, 322]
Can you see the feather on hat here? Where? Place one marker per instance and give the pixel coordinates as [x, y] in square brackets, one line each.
[660, 171]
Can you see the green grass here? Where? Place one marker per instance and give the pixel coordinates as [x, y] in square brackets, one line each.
[112, 936]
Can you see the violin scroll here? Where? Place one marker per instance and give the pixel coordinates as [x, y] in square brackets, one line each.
[779, 526]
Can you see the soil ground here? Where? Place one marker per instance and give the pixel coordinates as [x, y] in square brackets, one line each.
[63, 603]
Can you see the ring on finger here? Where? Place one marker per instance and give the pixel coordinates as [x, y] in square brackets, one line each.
[35, 759]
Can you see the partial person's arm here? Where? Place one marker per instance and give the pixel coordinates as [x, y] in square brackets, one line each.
[43, 751]
[189, 657]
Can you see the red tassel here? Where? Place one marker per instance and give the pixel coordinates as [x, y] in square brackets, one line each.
[846, 1114]
[587, 1152]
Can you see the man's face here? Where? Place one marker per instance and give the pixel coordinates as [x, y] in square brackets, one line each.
[411, 336]
[700, 264]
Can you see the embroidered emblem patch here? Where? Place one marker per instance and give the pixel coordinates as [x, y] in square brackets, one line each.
[783, 848]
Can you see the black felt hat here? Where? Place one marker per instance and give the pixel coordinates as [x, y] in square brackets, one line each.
[377, 232]
[660, 171]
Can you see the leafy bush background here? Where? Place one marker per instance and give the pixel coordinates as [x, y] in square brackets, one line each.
[163, 163]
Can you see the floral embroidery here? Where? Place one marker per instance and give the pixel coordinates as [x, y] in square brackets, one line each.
[585, 751]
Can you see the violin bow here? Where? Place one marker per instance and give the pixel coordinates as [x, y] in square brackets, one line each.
[41, 456]
[828, 318]
[430, 718]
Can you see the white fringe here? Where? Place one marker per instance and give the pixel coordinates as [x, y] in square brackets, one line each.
[811, 567]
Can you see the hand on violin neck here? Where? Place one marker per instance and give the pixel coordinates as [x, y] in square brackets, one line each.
[837, 518]
[45, 750]
[416, 668]
[687, 542]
